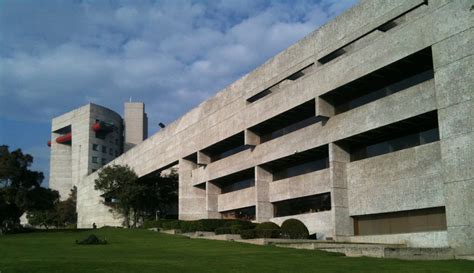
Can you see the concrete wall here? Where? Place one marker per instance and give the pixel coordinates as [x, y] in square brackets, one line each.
[416, 239]
[437, 174]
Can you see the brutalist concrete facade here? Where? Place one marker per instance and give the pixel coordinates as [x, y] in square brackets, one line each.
[83, 153]
[376, 41]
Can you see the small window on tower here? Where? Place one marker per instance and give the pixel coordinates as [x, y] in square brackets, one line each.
[95, 147]
[104, 149]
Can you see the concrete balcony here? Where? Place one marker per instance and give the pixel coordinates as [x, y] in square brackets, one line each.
[299, 186]
[236, 199]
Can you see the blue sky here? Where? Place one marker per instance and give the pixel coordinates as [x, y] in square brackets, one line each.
[58, 55]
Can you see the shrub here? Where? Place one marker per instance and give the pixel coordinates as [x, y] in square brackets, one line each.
[156, 223]
[175, 224]
[267, 233]
[223, 230]
[210, 224]
[294, 229]
[234, 229]
[248, 234]
[71, 226]
[259, 233]
[240, 224]
[91, 240]
[191, 226]
[267, 225]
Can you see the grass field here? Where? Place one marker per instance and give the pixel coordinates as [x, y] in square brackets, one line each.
[146, 251]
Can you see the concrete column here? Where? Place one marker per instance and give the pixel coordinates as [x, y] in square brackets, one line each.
[251, 138]
[212, 194]
[323, 108]
[454, 80]
[342, 222]
[263, 207]
[192, 199]
[202, 158]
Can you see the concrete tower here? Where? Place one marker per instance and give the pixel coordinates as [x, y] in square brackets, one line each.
[136, 124]
[82, 141]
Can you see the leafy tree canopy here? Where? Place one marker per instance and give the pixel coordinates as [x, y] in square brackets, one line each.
[20, 188]
[137, 198]
[121, 192]
[63, 214]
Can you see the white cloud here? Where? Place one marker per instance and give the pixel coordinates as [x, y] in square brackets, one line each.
[179, 51]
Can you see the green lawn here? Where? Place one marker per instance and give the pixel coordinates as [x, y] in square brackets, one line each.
[146, 251]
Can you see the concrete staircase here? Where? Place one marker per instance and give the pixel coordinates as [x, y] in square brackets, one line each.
[395, 251]
[375, 250]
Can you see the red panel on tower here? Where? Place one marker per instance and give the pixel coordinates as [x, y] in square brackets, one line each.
[64, 139]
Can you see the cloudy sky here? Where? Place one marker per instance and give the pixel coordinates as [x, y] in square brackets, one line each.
[58, 55]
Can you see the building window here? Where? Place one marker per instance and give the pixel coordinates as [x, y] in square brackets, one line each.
[300, 163]
[397, 136]
[247, 214]
[104, 149]
[116, 153]
[314, 203]
[95, 159]
[287, 122]
[104, 161]
[111, 151]
[430, 219]
[116, 141]
[226, 147]
[395, 77]
[95, 147]
[236, 181]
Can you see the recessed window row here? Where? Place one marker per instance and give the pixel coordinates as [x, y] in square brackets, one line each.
[298, 164]
[397, 21]
[289, 121]
[103, 161]
[408, 133]
[247, 214]
[95, 147]
[226, 147]
[418, 220]
[236, 181]
[395, 77]
[303, 205]
[293, 77]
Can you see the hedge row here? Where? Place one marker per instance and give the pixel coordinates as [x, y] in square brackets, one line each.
[156, 223]
[260, 233]
[206, 225]
[290, 229]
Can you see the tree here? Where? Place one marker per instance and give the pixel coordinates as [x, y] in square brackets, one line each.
[61, 215]
[67, 214]
[161, 198]
[121, 192]
[20, 188]
[137, 198]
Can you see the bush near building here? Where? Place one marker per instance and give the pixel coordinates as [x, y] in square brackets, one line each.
[294, 229]
[205, 225]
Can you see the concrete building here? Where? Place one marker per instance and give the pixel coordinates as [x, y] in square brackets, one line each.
[89, 137]
[136, 124]
[364, 130]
